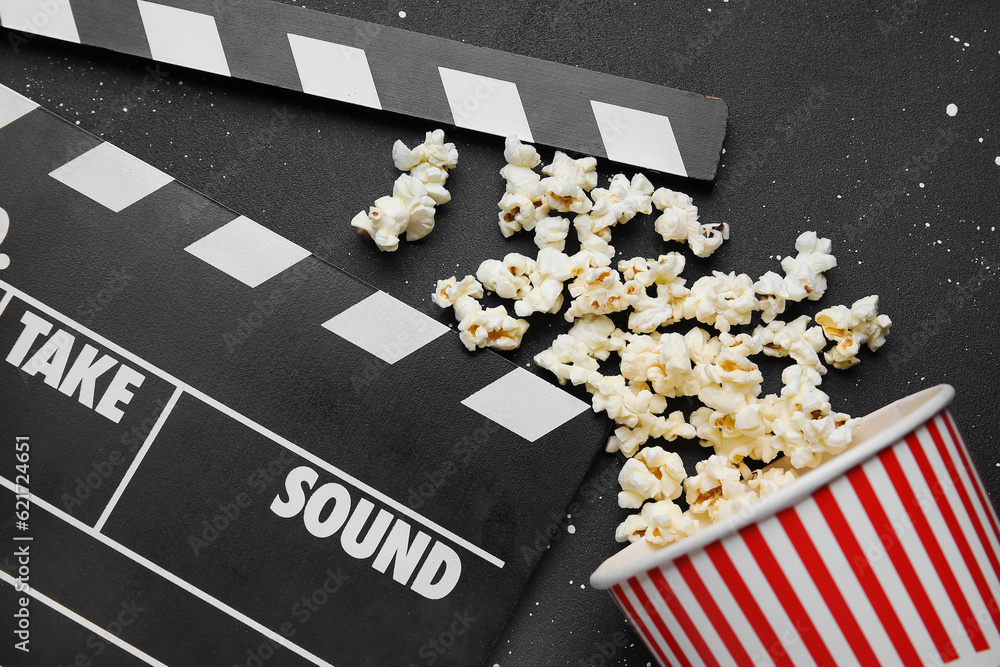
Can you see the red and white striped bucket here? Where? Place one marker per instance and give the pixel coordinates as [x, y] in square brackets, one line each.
[888, 554]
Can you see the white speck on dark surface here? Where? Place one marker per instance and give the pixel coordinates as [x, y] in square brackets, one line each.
[952, 109]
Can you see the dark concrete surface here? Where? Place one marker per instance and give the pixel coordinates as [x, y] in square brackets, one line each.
[838, 124]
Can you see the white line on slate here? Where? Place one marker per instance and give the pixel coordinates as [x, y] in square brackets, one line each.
[96, 629]
[138, 459]
[5, 300]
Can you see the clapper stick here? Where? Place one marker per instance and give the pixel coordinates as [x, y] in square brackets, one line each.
[380, 67]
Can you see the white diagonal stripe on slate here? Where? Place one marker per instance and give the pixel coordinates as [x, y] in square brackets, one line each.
[13, 105]
[111, 177]
[49, 18]
[182, 37]
[638, 137]
[385, 327]
[485, 104]
[335, 71]
[525, 404]
[247, 251]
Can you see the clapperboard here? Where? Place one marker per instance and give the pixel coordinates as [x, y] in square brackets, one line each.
[265, 455]
[239, 453]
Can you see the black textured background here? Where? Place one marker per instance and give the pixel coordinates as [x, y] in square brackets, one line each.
[837, 124]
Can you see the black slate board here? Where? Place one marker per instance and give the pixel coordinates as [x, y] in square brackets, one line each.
[847, 100]
[233, 415]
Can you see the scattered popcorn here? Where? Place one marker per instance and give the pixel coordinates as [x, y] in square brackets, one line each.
[429, 163]
[719, 491]
[638, 484]
[707, 490]
[851, 328]
[736, 376]
[804, 273]
[581, 173]
[568, 358]
[434, 151]
[736, 497]
[433, 179]
[678, 215]
[773, 294]
[491, 327]
[744, 345]
[667, 307]
[866, 323]
[708, 239]
[628, 439]
[627, 404]
[520, 207]
[767, 481]
[681, 378]
[517, 212]
[600, 335]
[807, 441]
[801, 391]
[478, 327]
[652, 312]
[410, 209]
[794, 339]
[737, 435]
[595, 242]
[522, 181]
[623, 200]
[510, 278]
[679, 222]
[640, 362]
[701, 346]
[663, 362]
[383, 223]
[551, 232]
[596, 291]
[552, 269]
[633, 528]
[721, 300]
[520, 155]
[674, 427]
[653, 473]
[567, 184]
[665, 270]
[450, 290]
[419, 205]
[659, 523]
[836, 323]
[804, 421]
[563, 195]
[656, 366]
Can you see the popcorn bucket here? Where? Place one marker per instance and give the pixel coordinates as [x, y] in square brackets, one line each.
[887, 554]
